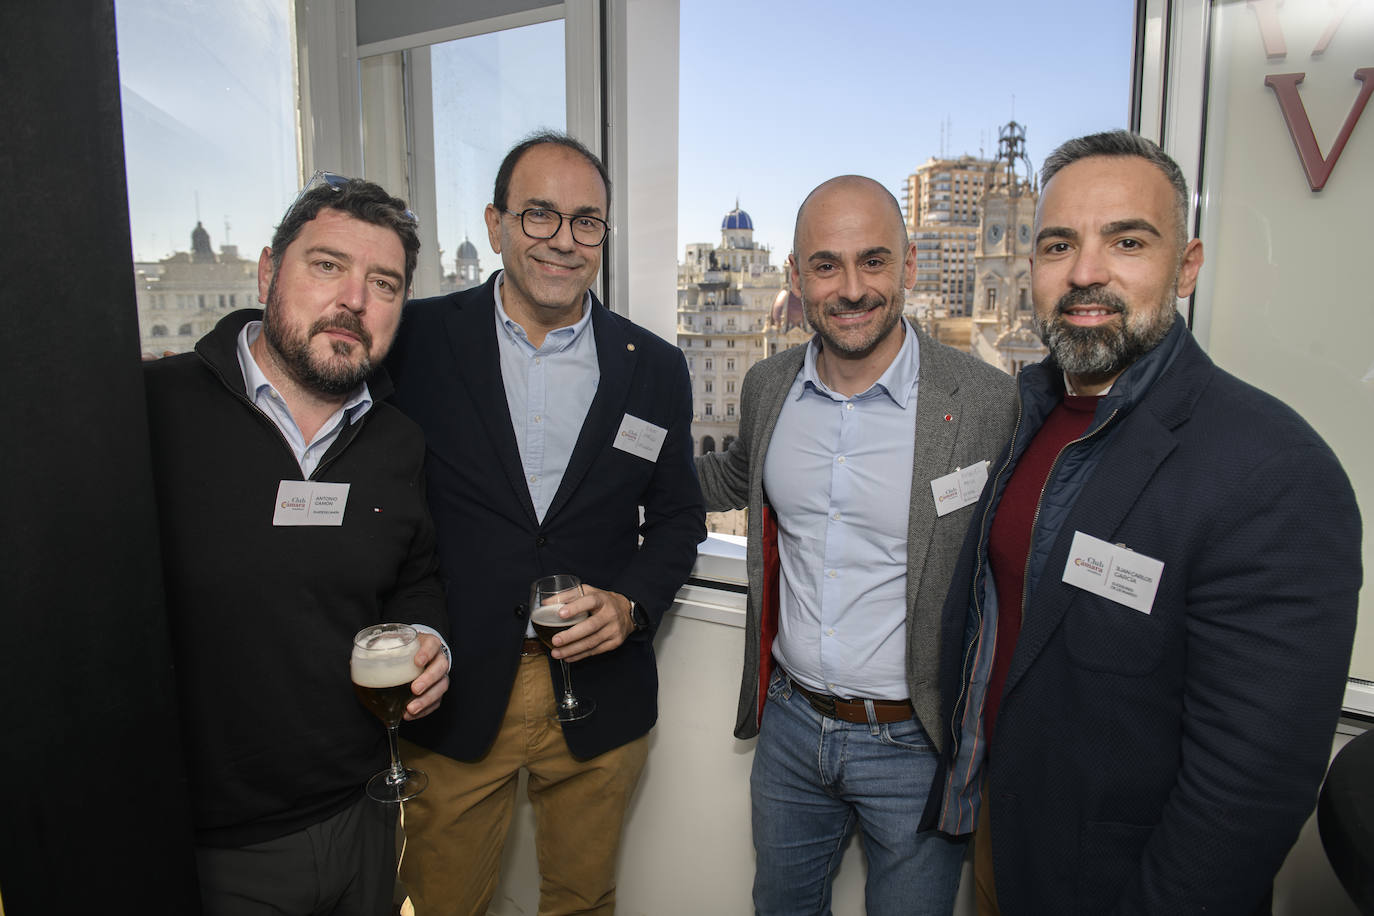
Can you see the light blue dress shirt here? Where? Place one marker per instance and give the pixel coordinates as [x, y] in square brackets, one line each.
[548, 391]
[266, 398]
[838, 476]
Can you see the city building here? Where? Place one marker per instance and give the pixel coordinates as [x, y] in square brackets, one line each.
[734, 308]
[467, 271]
[731, 299]
[942, 214]
[181, 297]
[1002, 333]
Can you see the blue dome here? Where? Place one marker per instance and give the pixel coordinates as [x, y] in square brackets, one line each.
[467, 251]
[737, 219]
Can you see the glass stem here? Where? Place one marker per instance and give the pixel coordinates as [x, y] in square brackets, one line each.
[398, 772]
[567, 683]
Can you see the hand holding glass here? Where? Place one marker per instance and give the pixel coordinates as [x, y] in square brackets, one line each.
[547, 597]
[382, 667]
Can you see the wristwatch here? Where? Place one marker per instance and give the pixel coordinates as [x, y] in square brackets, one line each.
[638, 618]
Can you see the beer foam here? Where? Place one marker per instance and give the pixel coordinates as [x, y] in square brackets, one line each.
[383, 672]
[547, 615]
[386, 659]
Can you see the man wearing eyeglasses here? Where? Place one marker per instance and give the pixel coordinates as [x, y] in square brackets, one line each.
[559, 442]
[292, 516]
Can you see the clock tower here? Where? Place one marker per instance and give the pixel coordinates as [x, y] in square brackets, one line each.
[1002, 333]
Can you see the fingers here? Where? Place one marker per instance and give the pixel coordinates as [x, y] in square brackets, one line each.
[428, 701]
[606, 627]
[432, 682]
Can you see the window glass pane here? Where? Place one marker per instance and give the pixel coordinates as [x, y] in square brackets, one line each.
[920, 99]
[489, 92]
[210, 151]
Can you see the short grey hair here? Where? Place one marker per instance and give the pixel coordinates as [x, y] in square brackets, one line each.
[1124, 143]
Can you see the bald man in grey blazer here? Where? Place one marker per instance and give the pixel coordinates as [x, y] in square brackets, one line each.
[858, 457]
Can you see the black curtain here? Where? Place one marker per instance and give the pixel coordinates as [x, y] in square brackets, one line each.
[93, 805]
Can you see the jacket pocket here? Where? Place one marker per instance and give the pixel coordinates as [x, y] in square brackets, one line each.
[1109, 857]
[1104, 636]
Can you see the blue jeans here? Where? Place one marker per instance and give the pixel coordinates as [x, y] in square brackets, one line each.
[814, 779]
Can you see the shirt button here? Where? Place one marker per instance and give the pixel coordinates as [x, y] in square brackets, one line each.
[832, 573]
[534, 478]
[538, 361]
[848, 405]
[836, 516]
[538, 419]
[830, 632]
[840, 460]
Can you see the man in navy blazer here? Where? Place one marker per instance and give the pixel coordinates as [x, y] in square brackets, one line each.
[1159, 591]
[552, 424]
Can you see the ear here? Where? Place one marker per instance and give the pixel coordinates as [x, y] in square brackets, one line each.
[493, 218]
[793, 274]
[909, 267]
[1187, 271]
[265, 273]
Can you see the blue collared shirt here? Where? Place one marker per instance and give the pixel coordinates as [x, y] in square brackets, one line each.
[548, 391]
[267, 399]
[838, 476]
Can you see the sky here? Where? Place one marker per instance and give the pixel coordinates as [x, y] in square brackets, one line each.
[774, 98]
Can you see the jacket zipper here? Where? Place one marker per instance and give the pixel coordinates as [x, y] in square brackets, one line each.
[1030, 552]
[329, 459]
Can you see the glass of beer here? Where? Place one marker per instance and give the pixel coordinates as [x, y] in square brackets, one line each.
[382, 667]
[547, 597]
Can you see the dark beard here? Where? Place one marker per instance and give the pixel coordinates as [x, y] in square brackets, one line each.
[1101, 352]
[331, 377]
[870, 301]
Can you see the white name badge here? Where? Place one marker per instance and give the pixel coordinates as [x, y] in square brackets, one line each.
[310, 502]
[640, 437]
[1113, 572]
[960, 488]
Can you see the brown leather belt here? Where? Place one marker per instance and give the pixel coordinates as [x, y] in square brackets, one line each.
[531, 646]
[884, 711]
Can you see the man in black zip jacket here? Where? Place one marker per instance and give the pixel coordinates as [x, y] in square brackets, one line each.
[293, 514]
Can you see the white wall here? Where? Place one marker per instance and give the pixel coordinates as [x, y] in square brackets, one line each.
[687, 849]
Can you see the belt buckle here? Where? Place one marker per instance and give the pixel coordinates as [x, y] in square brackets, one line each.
[825, 705]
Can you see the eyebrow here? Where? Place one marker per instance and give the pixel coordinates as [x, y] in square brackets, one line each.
[550, 205]
[345, 259]
[1133, 224]
[834, 256]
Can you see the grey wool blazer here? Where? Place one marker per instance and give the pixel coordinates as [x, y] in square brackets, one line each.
[964, 414]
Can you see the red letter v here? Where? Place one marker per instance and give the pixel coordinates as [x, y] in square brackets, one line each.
[1318, 169]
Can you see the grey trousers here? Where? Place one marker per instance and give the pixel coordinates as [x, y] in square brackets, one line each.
[343, 866]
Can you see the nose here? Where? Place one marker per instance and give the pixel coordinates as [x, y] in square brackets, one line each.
[353, 293]
[852, 287]
[562, 240]
[1089, 267]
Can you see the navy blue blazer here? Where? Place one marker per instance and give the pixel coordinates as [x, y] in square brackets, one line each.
[447, 372]
[1164, 762]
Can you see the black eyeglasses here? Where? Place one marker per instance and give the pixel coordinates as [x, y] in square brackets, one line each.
[335, 182]
[542, 223]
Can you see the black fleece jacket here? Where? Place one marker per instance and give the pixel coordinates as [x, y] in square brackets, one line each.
[263, 617]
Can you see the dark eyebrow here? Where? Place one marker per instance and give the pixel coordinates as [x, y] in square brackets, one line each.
[1134, 224]
[345, 259]
[550, 205]
[1056, 232]
[833, 256]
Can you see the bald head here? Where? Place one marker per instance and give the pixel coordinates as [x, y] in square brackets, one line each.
[844, 195]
